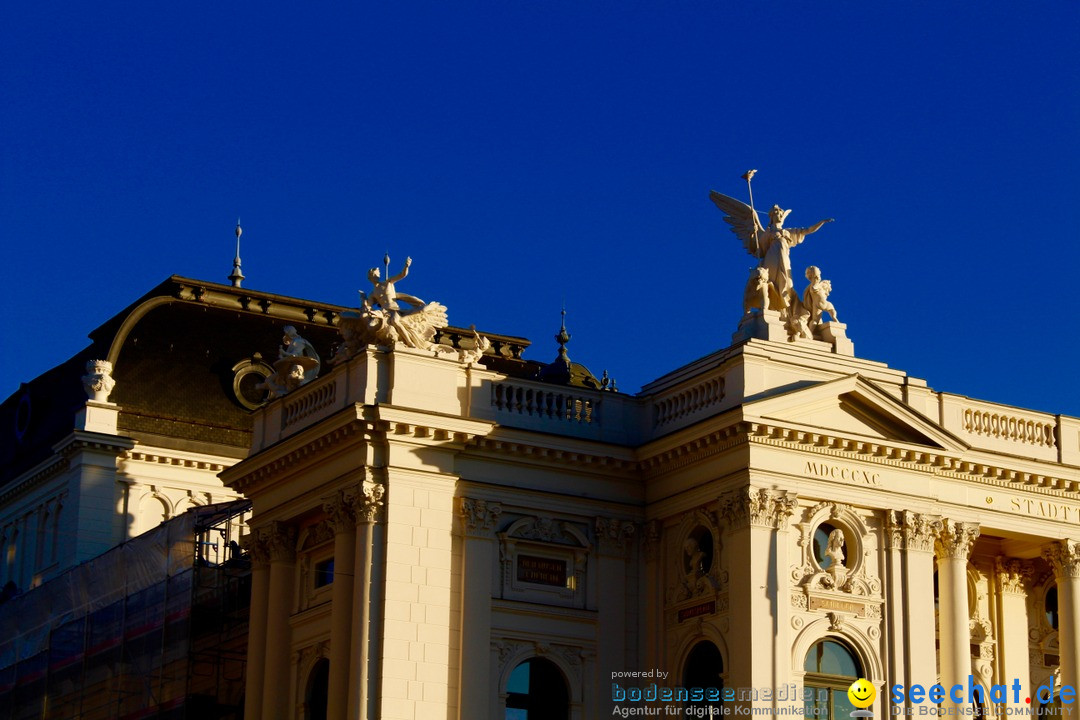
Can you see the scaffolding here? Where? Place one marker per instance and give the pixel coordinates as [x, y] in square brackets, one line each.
[154, 628]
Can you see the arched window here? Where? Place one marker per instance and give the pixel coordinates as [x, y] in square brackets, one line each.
[318, 690]
[1050, 605]
[830, 668]
[537, 691]
[704, 669]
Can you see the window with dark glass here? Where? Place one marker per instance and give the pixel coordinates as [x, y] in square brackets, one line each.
[830, 668]
[324, 573]
[537, 690]
[1050, 605]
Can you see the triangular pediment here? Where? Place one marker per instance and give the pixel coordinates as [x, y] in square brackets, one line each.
[852, 406]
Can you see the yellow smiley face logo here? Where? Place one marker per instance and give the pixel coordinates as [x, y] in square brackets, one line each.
[861, 693]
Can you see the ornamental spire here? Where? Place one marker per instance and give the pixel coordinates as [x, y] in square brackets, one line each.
[236, 276]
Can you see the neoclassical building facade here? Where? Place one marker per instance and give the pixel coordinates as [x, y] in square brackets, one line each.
[435, 538]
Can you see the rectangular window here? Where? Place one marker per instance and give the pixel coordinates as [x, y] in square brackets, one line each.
[324, 573]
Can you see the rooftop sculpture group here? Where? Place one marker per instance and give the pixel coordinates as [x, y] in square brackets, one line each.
[383, 320]
[298, 364]
[771, 287]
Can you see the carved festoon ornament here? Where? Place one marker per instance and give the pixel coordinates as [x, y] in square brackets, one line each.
[479, 517]
[383, 320]
[757, 506]
[298, 364]
[1013, 575]
[366, 501]
[913, 531]
[614, 535]
[956, 539]
[1064, 557]
[98, 381]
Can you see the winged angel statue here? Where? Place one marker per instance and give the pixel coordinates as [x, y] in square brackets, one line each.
[382, 320]
[772, 245]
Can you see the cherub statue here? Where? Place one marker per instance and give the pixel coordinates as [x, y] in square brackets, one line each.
[298, 364]
[772, 244]
[816, 296]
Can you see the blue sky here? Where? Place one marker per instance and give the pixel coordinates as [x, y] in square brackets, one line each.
[527, 153]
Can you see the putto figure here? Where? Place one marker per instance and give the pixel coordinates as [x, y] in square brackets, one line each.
[816, 297]
[772, 244]
[298, 364]
[383, 320]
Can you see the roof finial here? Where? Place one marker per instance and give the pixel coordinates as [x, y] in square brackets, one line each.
[562, 338]
[236, 276]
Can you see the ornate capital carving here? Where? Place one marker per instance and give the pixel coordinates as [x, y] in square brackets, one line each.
[255, 546]
[956, 539]
[758, 507]
[650, 539]
[613, 535]
[339, 512]
[912, 531]
[366, 501]
[479, 517]
[1064, 557]
[1013, 575]
[280, 541]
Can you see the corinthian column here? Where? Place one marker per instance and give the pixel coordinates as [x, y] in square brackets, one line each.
[1012, 578]
[260, 593]
[759, 589]
[365, 506]
[953, 546]
[340, 516]
[915, 533]
[479, 519]
[280, 540]
[1064, 556]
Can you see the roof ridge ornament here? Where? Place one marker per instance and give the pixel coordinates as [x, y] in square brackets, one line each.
[236, 276]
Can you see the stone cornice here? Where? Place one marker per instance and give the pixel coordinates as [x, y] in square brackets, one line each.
[937, 462]
[598, 460]
[159, 457]
[247, 474]
[693, 450]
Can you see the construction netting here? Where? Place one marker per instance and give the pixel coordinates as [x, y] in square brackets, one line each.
[156, 627]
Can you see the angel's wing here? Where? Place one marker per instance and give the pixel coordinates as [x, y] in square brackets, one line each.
[741, 218]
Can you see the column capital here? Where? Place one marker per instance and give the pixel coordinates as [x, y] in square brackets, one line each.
[365, 502]
[280, 541]
[339, 512]
[956, 539]
[1014, 575]
[614, 535]
[256, 548]
[912, 531]
[479, 517]
[650, 539]
[1064, 557]
[759, 507]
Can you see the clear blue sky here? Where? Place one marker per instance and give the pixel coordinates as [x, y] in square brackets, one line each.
[524, 153]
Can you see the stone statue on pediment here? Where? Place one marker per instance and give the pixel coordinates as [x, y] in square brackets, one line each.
[771, 245]
[816, 297]
[382, 319]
